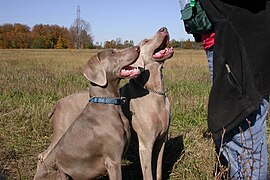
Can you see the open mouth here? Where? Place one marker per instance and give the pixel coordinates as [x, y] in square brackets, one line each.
[130, 72]
[162, 52]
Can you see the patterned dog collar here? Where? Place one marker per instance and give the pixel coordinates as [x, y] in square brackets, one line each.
[107, 100]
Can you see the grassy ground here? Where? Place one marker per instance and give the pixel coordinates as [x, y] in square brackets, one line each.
[31, 81]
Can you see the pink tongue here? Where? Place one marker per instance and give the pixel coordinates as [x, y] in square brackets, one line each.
[160, 54]
[163, 51]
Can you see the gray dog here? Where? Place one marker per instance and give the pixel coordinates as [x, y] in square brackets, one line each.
[147, 106]
[96, 140]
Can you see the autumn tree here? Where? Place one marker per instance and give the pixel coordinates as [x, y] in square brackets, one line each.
[15, 36]
[118, 44]
[42, 37]
[188, 44]
[59, 44]
[110, 44]
[174, 43]
[47, 36]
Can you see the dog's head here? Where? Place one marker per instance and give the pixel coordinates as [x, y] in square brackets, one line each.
[155, 48]
[115, 64]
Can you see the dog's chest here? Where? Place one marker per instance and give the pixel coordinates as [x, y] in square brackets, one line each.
[150, 110]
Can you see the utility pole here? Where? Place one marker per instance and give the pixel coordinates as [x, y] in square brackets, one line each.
[78, 28]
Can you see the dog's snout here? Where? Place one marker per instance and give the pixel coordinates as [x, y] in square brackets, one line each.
[137, 48]
[163, 29]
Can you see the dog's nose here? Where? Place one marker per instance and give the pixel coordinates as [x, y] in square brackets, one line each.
[137, 48]
[163, 29]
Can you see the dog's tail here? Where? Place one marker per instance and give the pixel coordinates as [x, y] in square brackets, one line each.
[50, 114]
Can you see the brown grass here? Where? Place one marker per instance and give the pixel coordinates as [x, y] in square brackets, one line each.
[33, 80]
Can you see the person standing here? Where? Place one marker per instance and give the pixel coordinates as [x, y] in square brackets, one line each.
[239, 97]
[208, 41]
[200, 27]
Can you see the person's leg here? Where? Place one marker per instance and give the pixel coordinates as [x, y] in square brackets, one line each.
[209, 54]
[245, 147]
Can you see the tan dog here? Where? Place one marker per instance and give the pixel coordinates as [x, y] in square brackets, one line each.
[146, 102]
[96, 140]
[148, 108]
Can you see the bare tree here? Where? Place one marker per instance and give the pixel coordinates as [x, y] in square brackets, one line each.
[81, 32]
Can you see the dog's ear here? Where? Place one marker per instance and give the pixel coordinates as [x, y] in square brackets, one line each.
[95, 72]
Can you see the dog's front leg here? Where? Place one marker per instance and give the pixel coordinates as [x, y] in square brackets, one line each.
[113, 169]
[158, 153]
[145, 150]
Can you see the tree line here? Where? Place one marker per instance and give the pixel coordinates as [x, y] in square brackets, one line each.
[40, 36]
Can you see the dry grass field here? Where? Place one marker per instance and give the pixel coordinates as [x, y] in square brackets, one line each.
[31, 81]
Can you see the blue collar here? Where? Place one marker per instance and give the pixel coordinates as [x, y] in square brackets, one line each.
[106, 100]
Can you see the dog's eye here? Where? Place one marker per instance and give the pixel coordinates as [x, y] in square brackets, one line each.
[145, 41]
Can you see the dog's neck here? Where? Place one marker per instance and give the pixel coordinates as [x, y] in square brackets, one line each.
[109, 90]
[152, 78]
